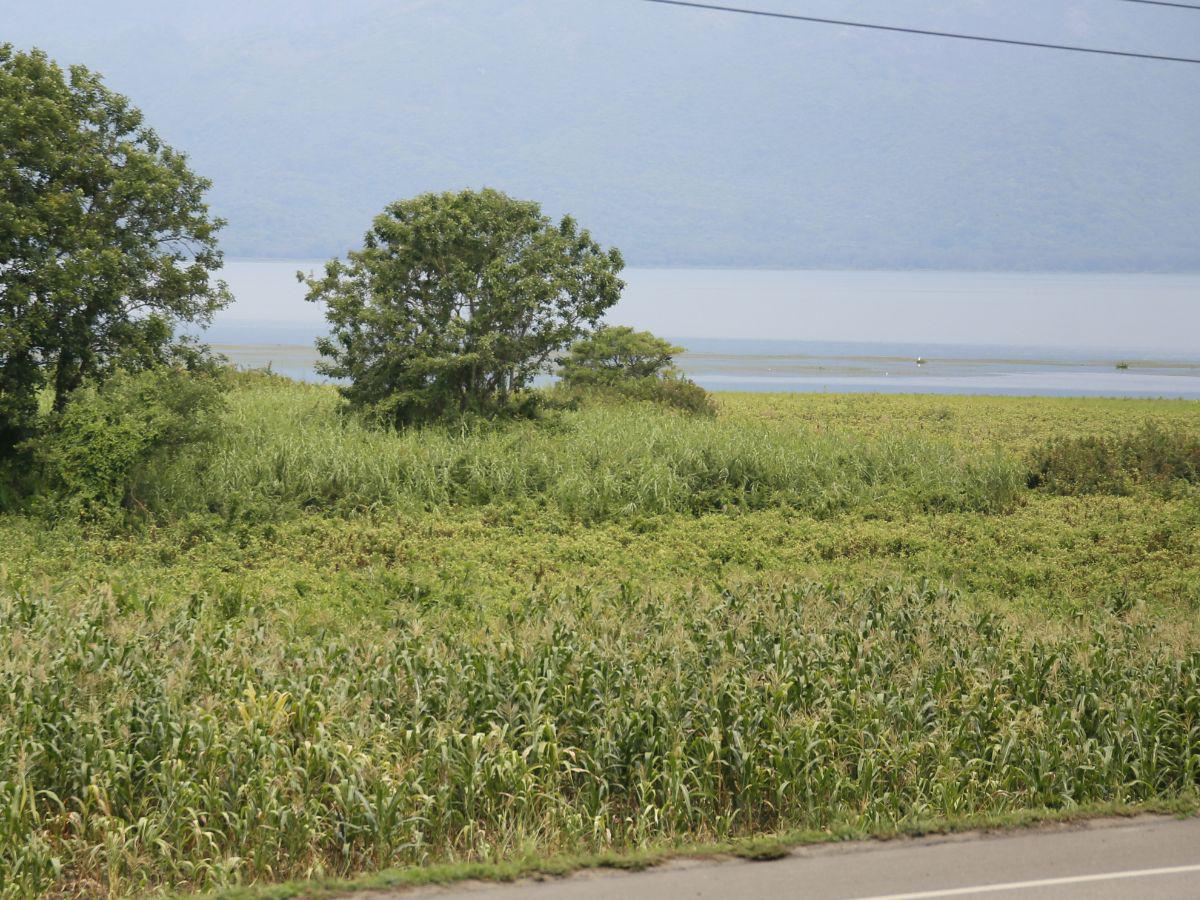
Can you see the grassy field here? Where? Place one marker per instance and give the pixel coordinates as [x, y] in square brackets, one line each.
[324, 650]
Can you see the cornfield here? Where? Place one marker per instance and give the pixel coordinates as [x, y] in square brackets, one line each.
[191, 745]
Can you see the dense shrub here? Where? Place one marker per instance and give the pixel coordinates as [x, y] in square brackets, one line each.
[107, 442]
[616, 362]
[1158, 457]
[672, 391]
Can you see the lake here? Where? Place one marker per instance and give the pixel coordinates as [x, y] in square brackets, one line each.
[754, 330]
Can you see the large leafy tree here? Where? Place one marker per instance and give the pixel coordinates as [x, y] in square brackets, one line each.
[456, 300]
[106, 243]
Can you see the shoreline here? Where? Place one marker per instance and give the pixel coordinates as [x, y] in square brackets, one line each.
[865, 374]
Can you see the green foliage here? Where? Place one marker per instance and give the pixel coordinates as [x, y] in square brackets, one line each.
[680, 393]
[614, 354]
[456, 301]
[616, 362]
[144, 747]
[105, 240]
[101, 450]
[1164, 458]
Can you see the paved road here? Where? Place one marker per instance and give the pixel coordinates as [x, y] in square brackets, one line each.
[1147, 858]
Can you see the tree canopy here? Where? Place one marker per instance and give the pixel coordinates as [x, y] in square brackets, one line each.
[456, 300]
[106, 242]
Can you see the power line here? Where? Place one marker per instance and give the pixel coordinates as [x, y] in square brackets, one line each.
[1164, 3]
[944, 34]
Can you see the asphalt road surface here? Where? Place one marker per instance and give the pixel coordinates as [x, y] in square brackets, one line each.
[1148, 858]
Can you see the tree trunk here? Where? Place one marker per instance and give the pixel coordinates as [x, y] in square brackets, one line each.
[68, 374]
[18, 401]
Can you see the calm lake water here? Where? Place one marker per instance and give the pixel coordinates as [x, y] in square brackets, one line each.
[975, 333]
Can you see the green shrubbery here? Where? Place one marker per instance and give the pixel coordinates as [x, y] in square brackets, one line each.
[1158, 457]
[670, 391]
[616, 353]
[171, 442]
[99, 454]
[616, 362]
[165, 440]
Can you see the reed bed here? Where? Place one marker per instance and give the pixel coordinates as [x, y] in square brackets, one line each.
[150, 746]
[288, 444]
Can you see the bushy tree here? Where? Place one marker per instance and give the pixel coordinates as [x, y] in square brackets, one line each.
[106, 244]
[108, 441]
[617, 353]
[617, 362]
[456, 300]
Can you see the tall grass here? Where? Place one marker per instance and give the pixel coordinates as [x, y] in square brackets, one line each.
[195, 746]
[287, 443]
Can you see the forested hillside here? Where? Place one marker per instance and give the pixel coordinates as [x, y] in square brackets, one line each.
[684, 137]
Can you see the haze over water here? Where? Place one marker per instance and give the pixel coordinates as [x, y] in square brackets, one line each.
[760, 330]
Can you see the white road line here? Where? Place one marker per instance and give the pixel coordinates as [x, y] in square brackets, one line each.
[1044, 882]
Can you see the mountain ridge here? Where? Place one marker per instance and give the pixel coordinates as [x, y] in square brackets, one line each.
[685, 138]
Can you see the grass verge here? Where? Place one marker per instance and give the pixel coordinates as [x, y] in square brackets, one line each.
[764, 848]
